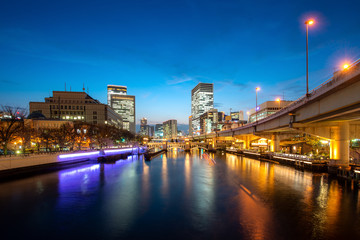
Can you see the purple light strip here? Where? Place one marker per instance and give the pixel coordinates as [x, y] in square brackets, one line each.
[94, 153]
[78, 154]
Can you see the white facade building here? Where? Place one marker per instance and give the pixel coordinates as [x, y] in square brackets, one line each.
[202, 100]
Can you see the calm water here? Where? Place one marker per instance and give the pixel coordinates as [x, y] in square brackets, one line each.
[180, 196]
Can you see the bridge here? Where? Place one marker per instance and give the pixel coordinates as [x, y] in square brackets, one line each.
[330, 112]
[183, 145]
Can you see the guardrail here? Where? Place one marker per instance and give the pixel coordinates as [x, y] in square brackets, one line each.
[300, 101]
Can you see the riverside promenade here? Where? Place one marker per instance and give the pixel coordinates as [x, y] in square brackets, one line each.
[13, 165]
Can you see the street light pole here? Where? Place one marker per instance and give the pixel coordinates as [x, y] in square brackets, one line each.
[307, 23]
[256, 89]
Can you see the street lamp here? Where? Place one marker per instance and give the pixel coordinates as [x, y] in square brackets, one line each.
[256, 107]
[279, 101]
[307, 23]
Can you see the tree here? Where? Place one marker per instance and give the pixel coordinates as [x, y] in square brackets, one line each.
[63, 135]
[11, 125]
[25, 134]
[47, 136]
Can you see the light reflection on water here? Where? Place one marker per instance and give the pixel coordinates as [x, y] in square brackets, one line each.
[180, 195]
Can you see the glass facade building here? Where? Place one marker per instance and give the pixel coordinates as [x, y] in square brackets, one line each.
[202, 100]
[122, 104]
[159, 131]
[170, 129]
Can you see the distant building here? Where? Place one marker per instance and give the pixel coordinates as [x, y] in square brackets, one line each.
[123, 104]
[151, 131]
[202, 100]
[210, 120]
[159, 131]
[266, 109]
[76, 106]
[144, 128]
[237, 116]
[170, 129]
[190, 126]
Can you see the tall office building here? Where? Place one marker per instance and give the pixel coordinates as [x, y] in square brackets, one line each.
[170, 129]
[159, 131]
[202, 100]
[122, 104]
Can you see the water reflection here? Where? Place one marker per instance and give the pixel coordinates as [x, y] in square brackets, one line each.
[180, 195]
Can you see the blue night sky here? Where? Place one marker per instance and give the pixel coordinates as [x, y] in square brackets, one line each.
[161, 49]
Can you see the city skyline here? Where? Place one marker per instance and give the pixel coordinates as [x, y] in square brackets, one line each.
[225, 44]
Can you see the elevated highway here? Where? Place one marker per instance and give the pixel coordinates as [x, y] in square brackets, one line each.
[331, 111]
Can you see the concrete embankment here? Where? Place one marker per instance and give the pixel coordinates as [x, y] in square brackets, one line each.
[17, 166]
[295, 161]
[349, 173]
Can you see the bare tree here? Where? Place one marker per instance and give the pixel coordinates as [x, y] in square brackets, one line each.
[10, 125]
[25, 134]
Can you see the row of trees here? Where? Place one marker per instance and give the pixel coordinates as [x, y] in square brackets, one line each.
[15, 129]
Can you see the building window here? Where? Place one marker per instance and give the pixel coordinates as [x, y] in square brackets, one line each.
[77, 107]
[65, 107]
[94, 117]
[94, 112]
[94, 122]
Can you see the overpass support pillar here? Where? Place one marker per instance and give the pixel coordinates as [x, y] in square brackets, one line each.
[246, 142]
[275, 143]
[187, 146]
[339, 145]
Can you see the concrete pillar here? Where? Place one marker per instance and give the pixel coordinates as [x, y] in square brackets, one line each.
[246, 142]
[339, 144]
[275, 143]
[187, 146]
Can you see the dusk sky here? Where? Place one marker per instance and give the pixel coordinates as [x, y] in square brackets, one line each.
[160, 50]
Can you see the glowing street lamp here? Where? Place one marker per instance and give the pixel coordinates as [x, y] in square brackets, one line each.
[256, 107]
[279, 101]
[307, 23]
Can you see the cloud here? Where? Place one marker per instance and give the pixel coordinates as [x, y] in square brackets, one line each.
[218, 105]
[5, 81]
[179, 80]
[219, 85]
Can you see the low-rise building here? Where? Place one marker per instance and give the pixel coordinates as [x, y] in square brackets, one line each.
[76, 106]
[266, 109]
[209, 121]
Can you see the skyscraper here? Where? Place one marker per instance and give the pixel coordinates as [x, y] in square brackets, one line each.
[202, 100]
[170, 128]
[122, 104]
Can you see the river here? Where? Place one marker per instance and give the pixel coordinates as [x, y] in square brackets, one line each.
[180, 195]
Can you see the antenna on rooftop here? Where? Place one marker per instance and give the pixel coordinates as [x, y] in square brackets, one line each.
[65, 87]
[83, 87]
[70, 88]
